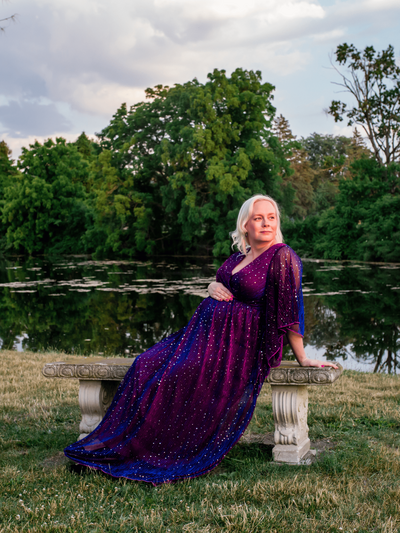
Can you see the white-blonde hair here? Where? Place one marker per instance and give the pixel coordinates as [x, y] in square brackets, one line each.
[246, 211]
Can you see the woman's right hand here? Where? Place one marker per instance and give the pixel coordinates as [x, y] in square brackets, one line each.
[219, 292]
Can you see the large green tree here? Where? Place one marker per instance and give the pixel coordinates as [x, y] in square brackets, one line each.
[44, 207]
[175, 169]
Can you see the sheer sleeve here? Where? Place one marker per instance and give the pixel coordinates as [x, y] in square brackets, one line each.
[288, 293]
[284, 309]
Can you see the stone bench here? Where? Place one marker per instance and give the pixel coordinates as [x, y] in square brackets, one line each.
[99, 379]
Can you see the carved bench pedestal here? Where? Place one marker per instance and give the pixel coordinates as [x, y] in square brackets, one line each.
[289, 405]
[99, 380]
[289, 383]
[95, 398]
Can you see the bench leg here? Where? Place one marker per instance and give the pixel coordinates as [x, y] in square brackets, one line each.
[289, 405]
[95, 398]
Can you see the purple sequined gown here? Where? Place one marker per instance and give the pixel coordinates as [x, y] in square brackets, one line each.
[187, 400]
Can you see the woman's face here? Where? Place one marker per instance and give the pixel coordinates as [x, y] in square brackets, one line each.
[262, 224]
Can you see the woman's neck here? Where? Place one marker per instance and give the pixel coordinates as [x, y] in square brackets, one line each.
[257, 250]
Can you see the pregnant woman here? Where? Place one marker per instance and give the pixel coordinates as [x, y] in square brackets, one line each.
[187, 400]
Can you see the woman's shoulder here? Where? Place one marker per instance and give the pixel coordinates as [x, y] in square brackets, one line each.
[237, 254]
[286, 252]
[234, 257]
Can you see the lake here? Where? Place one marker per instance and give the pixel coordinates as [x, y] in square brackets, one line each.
[87, 307]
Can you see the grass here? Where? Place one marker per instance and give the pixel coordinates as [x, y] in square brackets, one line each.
[353, 487]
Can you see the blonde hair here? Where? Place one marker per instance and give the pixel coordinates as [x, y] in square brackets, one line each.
[239, 235]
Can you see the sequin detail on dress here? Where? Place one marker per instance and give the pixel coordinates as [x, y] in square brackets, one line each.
[187, 400]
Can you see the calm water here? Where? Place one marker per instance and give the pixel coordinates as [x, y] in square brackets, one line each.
[123, 307]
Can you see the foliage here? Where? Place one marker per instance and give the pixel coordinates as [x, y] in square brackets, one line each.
[366, 219]
[6, 163]
[174, 171]
[301, 174]
[44, 208]
[168, 176]
[374, 82]
[302, 234]
[330, 158]
[327, 155]
[364, 223]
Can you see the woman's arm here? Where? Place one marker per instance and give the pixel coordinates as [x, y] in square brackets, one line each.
[218, 291]
[296, 343]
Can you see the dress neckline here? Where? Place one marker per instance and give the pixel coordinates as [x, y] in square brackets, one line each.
[251, 262]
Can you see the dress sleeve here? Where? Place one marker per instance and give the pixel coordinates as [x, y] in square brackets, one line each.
[284, 309]
[288, 294]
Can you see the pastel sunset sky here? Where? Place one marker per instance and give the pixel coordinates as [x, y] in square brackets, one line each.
[67, 65]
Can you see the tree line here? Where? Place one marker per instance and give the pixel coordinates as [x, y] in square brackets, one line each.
[168, 175]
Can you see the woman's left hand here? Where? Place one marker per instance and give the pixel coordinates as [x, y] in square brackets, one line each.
[316, 363]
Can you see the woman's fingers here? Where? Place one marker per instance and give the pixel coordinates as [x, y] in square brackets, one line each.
[329, 364]
[226, 295]
[219, 292]
[318, 364]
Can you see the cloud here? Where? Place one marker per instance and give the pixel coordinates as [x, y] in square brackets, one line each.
[17, 143]
[379, 5]
[93, 55]
[20, 119]
[347, 131]
[142, 43]
[102, 98]
[335, 36]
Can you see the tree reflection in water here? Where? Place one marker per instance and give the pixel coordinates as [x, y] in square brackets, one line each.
[359, 317]
[110, 308]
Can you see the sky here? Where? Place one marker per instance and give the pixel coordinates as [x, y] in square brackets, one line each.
[68, 65]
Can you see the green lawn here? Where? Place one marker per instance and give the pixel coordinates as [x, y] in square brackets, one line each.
[353, 487]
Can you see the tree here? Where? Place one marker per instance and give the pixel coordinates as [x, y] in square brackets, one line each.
[357, 149]
[365, 222]
[174, 170]
[44, 207]
[300, 176]
[86, 147]
[373, 79]
[7, 168]
[8, 172]
[328, 156]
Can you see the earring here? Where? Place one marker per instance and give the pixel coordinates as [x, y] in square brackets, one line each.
[246, 234]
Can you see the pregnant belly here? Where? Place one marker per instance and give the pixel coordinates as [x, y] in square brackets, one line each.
[232, 326]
